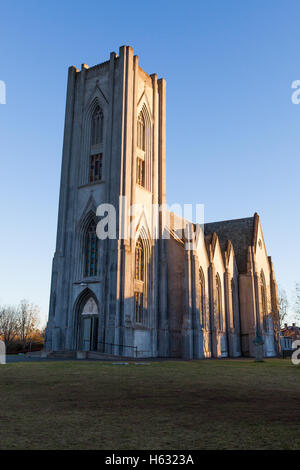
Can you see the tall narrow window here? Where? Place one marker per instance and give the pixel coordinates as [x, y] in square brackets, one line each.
[139, 276]
[97, 127]
[91, 251]
[140, 171]
[202, 297]
[233, 297]
[139, 307]
[95, 167]
[141, 132]
[218, 301]
[139, 260]
[264, 300]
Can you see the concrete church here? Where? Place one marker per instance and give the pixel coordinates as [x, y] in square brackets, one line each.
[141, 295]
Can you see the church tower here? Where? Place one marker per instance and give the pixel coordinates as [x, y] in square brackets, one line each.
[125, 278]
[105, 293]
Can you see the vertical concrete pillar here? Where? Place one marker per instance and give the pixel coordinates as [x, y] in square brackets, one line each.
[198, 351]
[127, 334]
[163, 321]
[123, 289]
[162, 140]
[72, 139]
[229, 313]
[110, 245]
[163, 335]
[250, 313]
[119, 149]
[212, 308]
[134, 126]
[67, 148]
[189, 306]
[116, 185]
[110, 126]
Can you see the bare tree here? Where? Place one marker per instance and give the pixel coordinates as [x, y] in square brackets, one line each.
[297, 300]
[9, 324]
[283, 305]
[28, 321]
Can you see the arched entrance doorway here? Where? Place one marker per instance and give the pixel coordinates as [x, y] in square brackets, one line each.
[89, 322]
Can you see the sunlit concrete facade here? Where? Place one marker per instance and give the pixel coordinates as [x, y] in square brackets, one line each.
[207, 301]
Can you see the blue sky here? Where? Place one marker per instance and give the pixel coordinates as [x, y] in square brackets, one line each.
[232, 130]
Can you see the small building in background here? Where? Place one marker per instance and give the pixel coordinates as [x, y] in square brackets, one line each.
[288, 335]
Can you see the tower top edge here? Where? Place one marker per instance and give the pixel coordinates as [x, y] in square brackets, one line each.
[123, 51]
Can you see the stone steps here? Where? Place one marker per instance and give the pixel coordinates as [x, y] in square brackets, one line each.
[97, 355]
[62, 354]
[101, 355]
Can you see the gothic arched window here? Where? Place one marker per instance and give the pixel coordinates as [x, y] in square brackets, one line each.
[96, 157]
[91, 251]
[139, 276]
[140, 161]
[263, 292]
[95, 168]
[202, 297]
[141, 132]
[139, 307]
[233, 297]
[140, 171]
[97, 127]
[139, 260]
[218, 302]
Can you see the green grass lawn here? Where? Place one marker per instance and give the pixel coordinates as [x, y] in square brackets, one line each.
[168, 405]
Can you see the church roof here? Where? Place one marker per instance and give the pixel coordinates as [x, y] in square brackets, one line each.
[239, 231]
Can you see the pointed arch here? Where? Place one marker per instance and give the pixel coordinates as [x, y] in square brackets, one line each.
[97, 126]
[86, 308]
[141, 132]
[88, 213]
[98, 93]
[93, 132]
[139, 260]
[143, 100]
[83, 298]
[142, 250]
[143, 237]
[214, 242]
[144, 147]
[142, 227]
